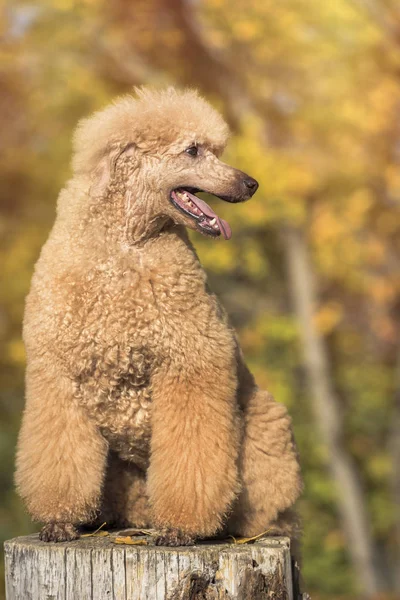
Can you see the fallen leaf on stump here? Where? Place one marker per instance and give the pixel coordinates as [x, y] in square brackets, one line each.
[129, 541]
[249, 539]
[97, 532]
[134, 532]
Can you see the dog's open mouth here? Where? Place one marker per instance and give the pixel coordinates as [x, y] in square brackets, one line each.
[207, 221]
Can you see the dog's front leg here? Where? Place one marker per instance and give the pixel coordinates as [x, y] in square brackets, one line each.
[192, 478]
[61, 456]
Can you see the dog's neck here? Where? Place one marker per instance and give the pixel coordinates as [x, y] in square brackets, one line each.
[124, 221]
[101, 229]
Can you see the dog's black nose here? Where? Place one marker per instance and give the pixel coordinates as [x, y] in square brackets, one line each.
[251, 184]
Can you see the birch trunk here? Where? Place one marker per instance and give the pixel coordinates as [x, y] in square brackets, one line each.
[394, 446]
[326, 410]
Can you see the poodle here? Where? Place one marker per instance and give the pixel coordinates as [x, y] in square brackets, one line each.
[140, 409]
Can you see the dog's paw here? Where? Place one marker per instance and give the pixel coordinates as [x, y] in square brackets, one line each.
[173, 537]
[58, 532]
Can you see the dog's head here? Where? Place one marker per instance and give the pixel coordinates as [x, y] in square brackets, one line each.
[157, 151]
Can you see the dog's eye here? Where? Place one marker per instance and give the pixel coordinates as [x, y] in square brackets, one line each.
[192, 150]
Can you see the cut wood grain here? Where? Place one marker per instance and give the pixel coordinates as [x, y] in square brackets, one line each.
[96, 568]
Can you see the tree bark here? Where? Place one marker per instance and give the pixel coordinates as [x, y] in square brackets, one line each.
[99, 568]
[350, 497]
[394, 447]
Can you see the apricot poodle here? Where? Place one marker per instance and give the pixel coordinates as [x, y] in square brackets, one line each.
[140, 409]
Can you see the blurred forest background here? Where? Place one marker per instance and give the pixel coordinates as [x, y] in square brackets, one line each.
[311, 279]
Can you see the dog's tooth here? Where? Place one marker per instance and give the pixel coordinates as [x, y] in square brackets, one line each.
[213, 221]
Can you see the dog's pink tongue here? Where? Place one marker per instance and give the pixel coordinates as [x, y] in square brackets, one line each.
[224, 228]
[207, 210]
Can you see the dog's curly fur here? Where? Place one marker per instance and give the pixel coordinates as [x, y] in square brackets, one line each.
[139, 407]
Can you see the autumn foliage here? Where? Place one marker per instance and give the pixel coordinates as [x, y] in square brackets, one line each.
[311, 90]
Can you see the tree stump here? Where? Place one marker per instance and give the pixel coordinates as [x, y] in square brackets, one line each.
[99, 568]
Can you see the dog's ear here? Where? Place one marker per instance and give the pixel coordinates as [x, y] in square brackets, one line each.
[105, 169]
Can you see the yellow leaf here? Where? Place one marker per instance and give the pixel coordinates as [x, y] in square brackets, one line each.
[129, 541]
[249, 539]
[16, 351]
[134, 532]
[97, 532]
[328, 317]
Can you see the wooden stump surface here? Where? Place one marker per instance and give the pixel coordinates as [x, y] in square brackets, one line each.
[97, 568]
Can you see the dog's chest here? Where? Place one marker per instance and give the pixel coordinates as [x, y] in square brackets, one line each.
[111, 336]
[118, 398]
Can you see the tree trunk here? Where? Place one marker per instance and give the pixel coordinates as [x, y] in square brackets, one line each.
[99, 568]
[394, 446]
[326, 410]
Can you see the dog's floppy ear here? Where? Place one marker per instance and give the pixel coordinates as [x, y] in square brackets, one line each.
[105, 168]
